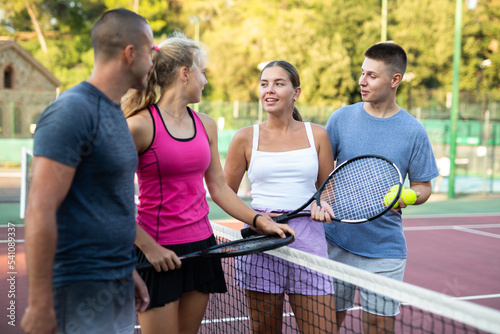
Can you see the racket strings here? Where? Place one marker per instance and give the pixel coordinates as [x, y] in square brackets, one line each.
[356, 191]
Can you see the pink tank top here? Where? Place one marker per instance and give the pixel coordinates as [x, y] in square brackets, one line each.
[173, 208]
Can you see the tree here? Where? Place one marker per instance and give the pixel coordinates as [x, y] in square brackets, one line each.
[16, 13]
[249, 33]
[36, 25]
[324, 39]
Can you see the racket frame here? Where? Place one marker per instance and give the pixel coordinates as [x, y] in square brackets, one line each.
[212, 252]
[317, 196]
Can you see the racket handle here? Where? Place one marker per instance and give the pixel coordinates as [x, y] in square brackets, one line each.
[143, 266]
[247, 232]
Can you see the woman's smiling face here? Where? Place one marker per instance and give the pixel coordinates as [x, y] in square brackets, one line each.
[276, 90]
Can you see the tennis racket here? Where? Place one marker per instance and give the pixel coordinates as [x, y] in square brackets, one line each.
[354, 190]
[239, 247]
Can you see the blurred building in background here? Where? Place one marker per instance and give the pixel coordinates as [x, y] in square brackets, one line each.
[26, 89]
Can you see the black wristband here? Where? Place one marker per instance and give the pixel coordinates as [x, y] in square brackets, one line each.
[255, 220]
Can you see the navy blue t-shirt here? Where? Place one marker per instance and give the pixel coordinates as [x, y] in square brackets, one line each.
[95, 222]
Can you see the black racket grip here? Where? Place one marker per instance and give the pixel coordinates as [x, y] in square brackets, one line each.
[247, 232]
[140, 267]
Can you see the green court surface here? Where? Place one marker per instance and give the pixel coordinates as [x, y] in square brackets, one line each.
[9, 212]
[437, 205]
[441, 205]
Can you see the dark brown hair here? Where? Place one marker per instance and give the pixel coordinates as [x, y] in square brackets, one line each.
[390, 54]
[116, 29]
[294, 77]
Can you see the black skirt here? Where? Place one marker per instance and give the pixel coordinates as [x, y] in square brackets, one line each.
[202, 275]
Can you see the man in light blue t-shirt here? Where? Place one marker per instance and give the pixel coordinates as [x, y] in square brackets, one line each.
[378, 126]
[80, 226]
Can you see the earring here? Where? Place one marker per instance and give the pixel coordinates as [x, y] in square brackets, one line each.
[185, 83]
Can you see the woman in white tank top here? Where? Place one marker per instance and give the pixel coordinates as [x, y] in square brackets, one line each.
[286, 160]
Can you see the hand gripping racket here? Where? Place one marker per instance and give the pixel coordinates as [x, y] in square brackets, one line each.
[355, 191]
[246, 246]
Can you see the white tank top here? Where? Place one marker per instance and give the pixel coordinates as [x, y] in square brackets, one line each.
[283, 180]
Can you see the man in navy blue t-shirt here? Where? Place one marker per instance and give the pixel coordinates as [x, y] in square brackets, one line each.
[80, 226]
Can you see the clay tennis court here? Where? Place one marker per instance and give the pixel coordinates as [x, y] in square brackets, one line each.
[455, 253]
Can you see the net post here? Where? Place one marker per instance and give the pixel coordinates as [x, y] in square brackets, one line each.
[25, 152]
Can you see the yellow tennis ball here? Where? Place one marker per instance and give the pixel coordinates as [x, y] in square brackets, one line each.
[389, 197]
[409, 196]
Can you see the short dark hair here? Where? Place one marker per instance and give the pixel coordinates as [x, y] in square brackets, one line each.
[116, 29]
[390, 54]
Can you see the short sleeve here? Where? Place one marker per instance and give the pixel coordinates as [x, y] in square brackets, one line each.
[65, 131]
[423, 167]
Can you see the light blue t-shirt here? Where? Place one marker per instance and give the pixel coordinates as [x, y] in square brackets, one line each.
[96, 220]
[401, 139]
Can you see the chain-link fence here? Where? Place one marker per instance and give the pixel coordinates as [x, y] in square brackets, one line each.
[478, 137]
[20, 110]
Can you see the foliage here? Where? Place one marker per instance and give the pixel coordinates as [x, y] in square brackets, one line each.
[323, 39]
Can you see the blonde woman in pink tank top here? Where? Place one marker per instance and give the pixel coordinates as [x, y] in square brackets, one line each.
[178, 150]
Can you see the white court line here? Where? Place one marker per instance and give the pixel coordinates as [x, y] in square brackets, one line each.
[469, 230]
[14, 174]
[227, 221]
[452, 215]
[449, 227]
[215, 321]
[20, 241]
[473, 229]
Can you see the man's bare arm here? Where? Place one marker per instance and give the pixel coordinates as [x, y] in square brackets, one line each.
[50, 184]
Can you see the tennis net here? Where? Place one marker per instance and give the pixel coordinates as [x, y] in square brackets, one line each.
[421, 310]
